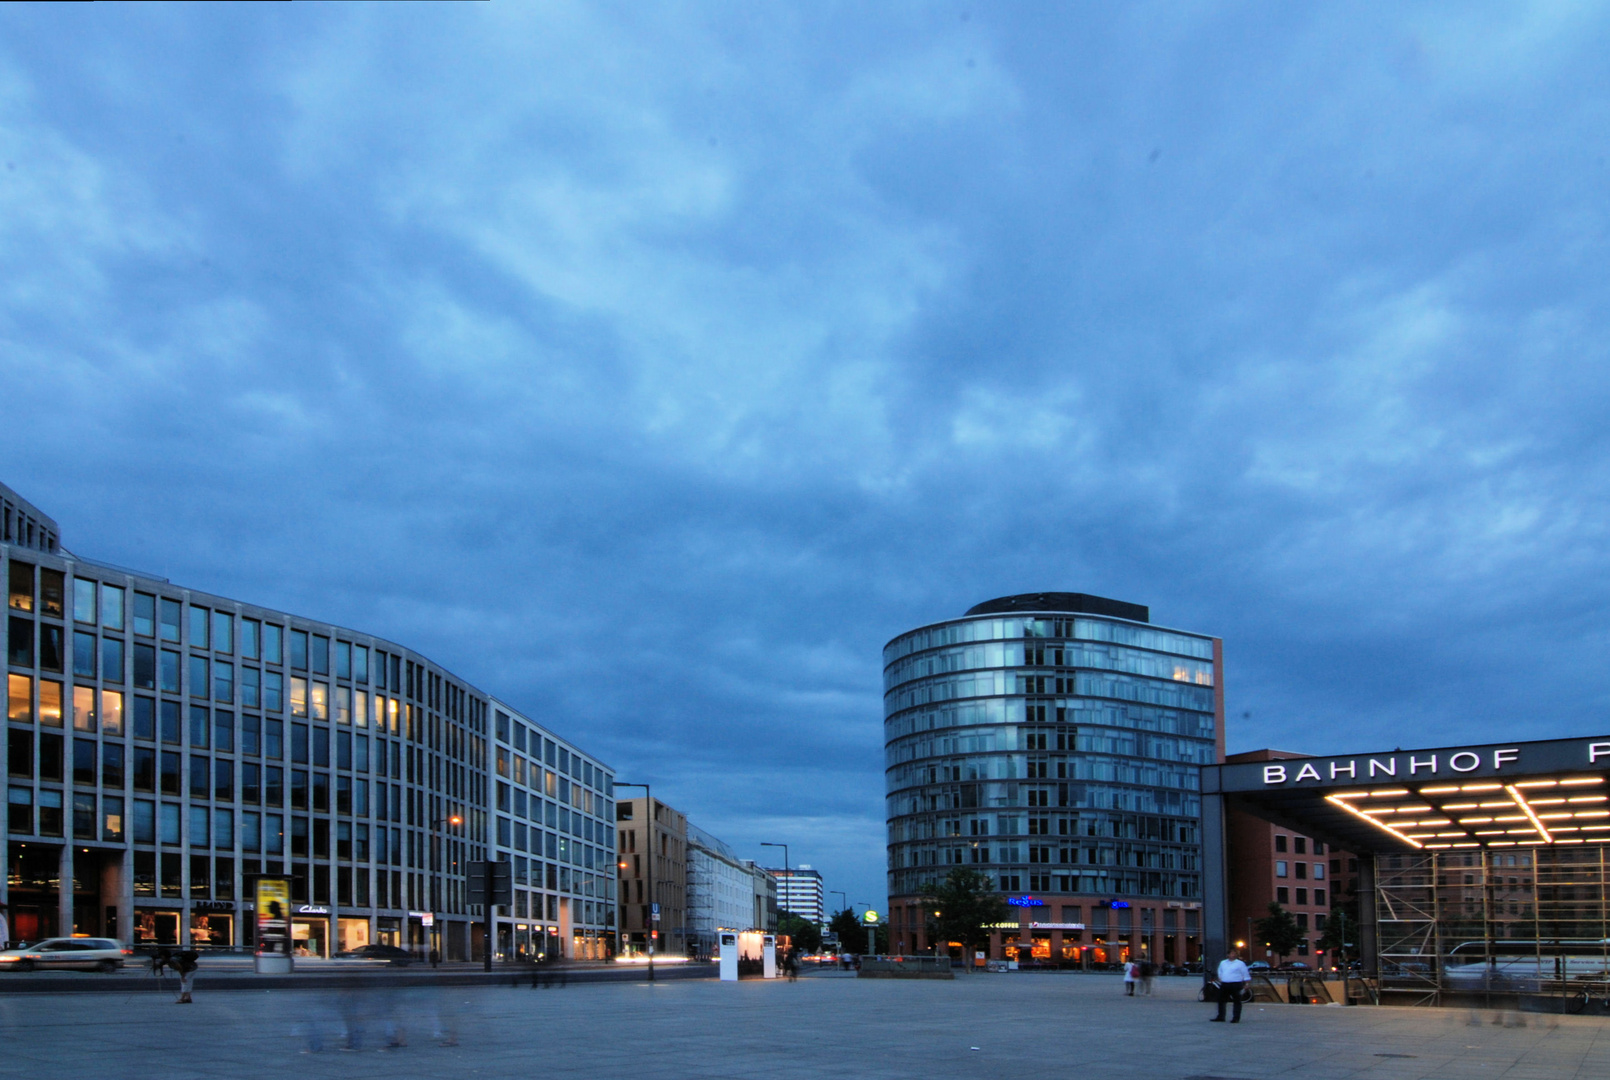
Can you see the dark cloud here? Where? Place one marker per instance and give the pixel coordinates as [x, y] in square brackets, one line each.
[650, 367]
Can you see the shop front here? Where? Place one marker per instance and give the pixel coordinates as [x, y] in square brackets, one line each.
[388, 931]
[310, 930]
[157, 926]
[351, 933]
[212, 924]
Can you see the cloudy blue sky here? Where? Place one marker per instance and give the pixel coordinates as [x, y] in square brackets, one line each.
[650, 366]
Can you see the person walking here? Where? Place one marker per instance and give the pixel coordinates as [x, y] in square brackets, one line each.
[1147, 971]
[1130, 970]
[1233, 977]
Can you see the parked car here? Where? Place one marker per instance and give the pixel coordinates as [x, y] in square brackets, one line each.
[391, 953]
[63, 953]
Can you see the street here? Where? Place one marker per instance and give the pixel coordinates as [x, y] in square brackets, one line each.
[1019, 1026]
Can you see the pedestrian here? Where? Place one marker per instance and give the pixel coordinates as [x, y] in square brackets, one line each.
[185, 964]
[1233, 977]
[1130, 975]
[791, 965]
[5, 927]
[1147, 971]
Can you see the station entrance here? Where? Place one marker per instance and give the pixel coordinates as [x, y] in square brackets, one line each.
[1484, 870]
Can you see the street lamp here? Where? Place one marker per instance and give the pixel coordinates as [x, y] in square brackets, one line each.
[648, 929]
[788, 874]
[843, 903]
[437, 899]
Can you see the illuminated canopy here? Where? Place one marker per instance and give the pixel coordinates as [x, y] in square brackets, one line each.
[1500, 795]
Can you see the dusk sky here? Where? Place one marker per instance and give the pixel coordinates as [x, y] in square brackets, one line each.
[650, 366]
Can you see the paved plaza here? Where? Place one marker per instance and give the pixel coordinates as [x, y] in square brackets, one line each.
[1000, 1027]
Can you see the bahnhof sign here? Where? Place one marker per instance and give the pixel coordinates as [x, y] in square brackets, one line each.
[1483, 869]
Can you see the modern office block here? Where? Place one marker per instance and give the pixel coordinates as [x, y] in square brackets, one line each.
[1052, 742]
[166, 746]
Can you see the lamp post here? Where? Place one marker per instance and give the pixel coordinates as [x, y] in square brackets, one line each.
[843, 906]
[437, 900]
[788, 873]
[648, 920]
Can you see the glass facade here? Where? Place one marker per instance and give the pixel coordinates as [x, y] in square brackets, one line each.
[168, 746]
[554, 820]
[1058, 752]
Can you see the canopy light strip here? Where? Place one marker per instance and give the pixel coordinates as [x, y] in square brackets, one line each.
[1337, 801]
[1526, 808]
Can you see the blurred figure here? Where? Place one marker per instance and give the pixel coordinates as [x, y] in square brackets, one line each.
[182, 964]
[440, 1011]
[389, 1016]
[185, 963]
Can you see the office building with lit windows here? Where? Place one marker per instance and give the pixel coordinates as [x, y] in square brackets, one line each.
[1053, 741]
[554, 809]
[165, 746]
[799, 891]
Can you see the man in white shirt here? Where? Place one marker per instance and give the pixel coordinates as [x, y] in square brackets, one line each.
[1233, 977]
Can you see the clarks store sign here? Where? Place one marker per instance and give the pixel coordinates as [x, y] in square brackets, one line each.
[1399, 766]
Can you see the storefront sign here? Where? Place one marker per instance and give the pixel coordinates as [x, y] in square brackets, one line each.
[212, 905]
[312, 909]
[1056, 926]
[1024, 901]
[1118, 905]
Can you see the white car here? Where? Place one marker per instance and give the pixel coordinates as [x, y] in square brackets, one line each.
[83, 953]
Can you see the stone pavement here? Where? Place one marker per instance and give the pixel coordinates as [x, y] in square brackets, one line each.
[978, 1027]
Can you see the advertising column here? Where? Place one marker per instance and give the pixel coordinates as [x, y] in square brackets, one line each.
[273, 955]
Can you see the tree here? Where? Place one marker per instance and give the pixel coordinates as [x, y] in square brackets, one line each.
[964, 907]
[1279, 931]
[848, 928]
[803, 934]
[1340, 938]
[852, 933]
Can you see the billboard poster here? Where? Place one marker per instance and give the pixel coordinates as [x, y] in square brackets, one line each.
[273, 915]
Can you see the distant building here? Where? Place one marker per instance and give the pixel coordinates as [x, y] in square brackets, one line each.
[653, 869]
[799, 890]
[724, 892]
[1274, 864]
[766, 898]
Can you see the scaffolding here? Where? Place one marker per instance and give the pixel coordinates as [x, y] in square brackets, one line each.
[1523, 924]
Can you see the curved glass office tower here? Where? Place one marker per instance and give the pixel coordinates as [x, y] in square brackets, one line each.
[166, 746]
[1051, 740]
